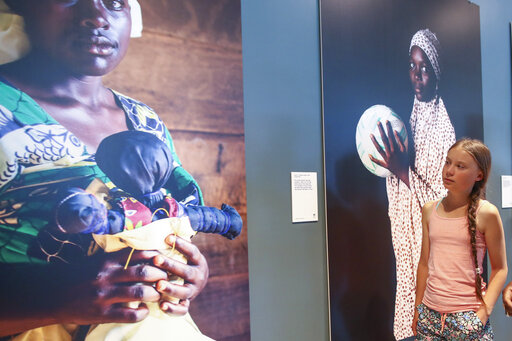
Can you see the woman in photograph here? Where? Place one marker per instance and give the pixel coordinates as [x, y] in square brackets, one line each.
[452, 300]
[54, 111]
[416, 172]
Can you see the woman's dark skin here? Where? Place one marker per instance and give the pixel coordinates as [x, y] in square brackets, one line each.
[74, 43]
[95, 291]
[395, 157]
[422, 76]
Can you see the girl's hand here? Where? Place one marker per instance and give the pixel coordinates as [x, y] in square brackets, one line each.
[395, 156]
[102, 286]
[195, 274]
[507, 299]
[482, 314]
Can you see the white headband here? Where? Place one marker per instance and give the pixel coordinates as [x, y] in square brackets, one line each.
[427, 41]
[14, 43]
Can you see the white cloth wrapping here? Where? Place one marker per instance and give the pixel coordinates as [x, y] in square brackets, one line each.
[433, 135]
[158, 325]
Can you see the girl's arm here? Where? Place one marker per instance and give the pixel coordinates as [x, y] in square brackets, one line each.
[489, 223]
[422, 274]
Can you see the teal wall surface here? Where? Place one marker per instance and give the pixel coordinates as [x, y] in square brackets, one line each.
[283, 131]
[495, 18]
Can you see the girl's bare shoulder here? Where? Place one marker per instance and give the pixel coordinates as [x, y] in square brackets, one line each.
[426, 210]
[487, 210]
[488, 216]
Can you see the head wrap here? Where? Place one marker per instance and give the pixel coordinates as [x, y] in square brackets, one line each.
[427, 41]
[136, 15]
[14, 43]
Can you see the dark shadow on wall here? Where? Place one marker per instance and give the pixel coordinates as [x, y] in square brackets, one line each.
[361, 272]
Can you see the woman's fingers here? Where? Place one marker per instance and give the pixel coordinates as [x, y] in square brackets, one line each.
[170, 290]
[384, 137]
[379, 150]
[137, 273]
[180, 308]
[121, 268]
[379, 162]
[113, 294]
[390, 137]
[399, 141]
[391, 142]
[187, 249]
[194, 273]
[120, 313]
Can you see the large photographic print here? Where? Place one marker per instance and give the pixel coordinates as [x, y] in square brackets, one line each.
[174, 91]
[415, 64]
[187, 65]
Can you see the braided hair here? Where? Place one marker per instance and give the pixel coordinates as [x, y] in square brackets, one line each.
[482, 157]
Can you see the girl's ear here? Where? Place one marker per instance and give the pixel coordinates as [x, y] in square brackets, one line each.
[480, 176]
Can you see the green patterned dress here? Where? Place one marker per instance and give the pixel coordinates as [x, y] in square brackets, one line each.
[39, 157]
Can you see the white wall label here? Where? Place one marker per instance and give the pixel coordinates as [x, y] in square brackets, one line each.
[506, 191]
[304, 197]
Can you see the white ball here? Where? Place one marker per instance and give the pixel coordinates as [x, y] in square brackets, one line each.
[368, 125]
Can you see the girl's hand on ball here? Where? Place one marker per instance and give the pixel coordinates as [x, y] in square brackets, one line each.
[394, 155]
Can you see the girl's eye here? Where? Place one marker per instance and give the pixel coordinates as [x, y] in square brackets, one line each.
[411, 66]
[424, 69]
[116, 5]
[460, 166]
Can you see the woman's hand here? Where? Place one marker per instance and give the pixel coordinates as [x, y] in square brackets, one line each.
[93, 291]
[195, 273]
[105, 287]
[394, 155]
[507, 299]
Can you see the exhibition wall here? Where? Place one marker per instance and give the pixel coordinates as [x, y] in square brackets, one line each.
[283, 133]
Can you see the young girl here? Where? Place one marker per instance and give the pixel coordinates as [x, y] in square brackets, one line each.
[452, 301]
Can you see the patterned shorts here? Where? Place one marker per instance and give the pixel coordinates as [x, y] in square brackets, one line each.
[464, 325]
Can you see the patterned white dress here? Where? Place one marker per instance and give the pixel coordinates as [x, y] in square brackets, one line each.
[433, 134]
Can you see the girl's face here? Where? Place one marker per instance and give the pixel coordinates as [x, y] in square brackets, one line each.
[421, 73]
[89, 37]
[460, 171]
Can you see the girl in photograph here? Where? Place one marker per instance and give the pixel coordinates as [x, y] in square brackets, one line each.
[416, 177]
[452, 301]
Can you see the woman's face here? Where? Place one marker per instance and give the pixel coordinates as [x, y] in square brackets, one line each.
[89, 37]
[423, 78]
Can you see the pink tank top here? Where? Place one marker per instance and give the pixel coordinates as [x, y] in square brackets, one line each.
[451, 271]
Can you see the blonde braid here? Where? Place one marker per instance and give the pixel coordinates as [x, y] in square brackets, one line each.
[472, 208]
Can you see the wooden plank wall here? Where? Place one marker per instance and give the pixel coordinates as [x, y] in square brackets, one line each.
[188, 66]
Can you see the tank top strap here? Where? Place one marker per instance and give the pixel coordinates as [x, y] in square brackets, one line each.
[436, 207]
[439, 203]
[480, 204]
